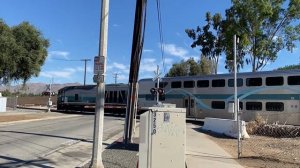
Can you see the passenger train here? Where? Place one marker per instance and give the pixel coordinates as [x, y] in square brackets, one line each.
[275, 95]
[83, 98]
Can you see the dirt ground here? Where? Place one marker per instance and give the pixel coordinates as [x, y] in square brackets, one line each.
[18, 117]
[263, 152]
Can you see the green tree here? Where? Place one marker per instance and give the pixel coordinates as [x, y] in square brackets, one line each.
[289, 67]
[264, 27]
[24, 52]
[8, 53]
[209, 39]
[190, 68]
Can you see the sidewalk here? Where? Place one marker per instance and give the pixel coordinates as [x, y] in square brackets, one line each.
[201, 152]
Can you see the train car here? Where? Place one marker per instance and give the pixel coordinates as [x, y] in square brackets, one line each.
[83, 98]
[275, 95]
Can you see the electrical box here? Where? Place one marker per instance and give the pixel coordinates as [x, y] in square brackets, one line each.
[162, 138]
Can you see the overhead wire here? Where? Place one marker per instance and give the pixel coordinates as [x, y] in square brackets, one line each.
[161, 38]
[64, 59]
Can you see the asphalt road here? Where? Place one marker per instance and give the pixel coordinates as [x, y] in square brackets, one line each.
[23, 142]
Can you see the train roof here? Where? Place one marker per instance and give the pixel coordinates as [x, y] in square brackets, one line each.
[88, 87]
[241, 74]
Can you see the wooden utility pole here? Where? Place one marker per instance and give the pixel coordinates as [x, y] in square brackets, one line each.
[136, 52]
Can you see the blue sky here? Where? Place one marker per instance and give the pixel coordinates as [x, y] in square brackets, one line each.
[72, 26]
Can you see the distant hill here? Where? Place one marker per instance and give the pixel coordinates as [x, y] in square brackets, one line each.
[35, 88]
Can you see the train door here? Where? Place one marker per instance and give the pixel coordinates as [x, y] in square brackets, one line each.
[189, 104]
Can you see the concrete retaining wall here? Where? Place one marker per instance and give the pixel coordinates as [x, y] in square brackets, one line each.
[224, 126]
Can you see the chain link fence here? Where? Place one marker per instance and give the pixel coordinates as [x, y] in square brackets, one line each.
[11, 103]
[272, 143]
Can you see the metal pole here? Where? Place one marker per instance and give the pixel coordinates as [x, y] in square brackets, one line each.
[96, 161]
[235, 82]
[239, 135]
[84, 79]
[50, 92]
[16, 105]
[236, 115]
[157, 87]
[84, 72]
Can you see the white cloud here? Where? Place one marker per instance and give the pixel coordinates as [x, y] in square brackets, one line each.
[122, 77]
[119, 66]
[116, 25]
[72, 70]
[149, 60]
[57, 74]
[64, 73]
[174, 50]
[115, 67]
[148, 65]
[147, 50]
[59, 54]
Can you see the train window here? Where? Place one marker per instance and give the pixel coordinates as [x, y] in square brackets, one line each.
[254, 106]
[218, 83]
[106, 97]
[188, 84]
[294, 80]
[239, 82]
[274, 106]
[253, 81]
[110, 96]
[162, 84]
[76, 97]
[115, 96]
[274, 81]
[218, 104]
[176, 84]
[202, 83]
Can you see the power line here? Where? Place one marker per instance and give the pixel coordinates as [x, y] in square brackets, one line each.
[64, 59]
[161, 38]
